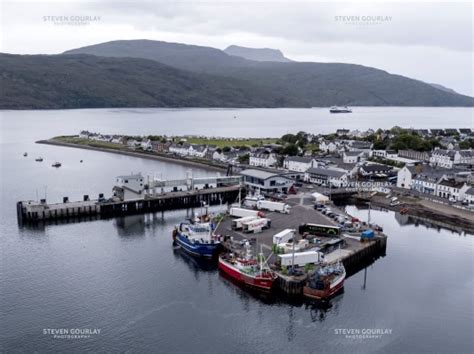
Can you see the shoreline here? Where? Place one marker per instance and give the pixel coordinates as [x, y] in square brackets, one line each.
[149, 156]
[440, 215]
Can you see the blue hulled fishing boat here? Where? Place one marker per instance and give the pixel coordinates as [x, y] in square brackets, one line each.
[196, 238]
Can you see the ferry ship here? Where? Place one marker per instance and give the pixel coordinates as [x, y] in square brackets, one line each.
[247, 270]
[336, 109]
[196, 238]
[325, 282]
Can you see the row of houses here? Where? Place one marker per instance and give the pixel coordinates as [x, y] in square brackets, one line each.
[456, 187]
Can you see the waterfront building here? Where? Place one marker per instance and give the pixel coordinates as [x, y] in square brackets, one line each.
[266, 182]
[326, 177]
[128, 187]
[264, 159]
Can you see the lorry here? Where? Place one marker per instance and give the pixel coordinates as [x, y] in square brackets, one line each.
[241, 212]
[273, 206]
[283, 236]
[256, 225]
[237, 223]
[301, 258]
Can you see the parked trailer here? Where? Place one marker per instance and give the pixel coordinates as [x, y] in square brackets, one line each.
[319, 230]
[251, 202]
[273, 206]
[300, 258]
[256, 225]
[284, 236]
[241, 212]
[237, 223]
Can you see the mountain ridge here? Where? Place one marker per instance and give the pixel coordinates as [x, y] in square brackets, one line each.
[146, 73]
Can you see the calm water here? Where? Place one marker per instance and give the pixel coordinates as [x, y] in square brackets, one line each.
[123, 276]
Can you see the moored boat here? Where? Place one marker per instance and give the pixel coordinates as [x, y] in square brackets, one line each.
[196, 238]
[247, 270]
[325, 282]
[336, 109]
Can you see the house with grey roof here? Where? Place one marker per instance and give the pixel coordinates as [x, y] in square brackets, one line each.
[265, 181]
[326, 177]
[299, 163]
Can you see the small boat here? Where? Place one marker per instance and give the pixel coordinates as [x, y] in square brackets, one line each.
[325, 282]
[80, 161]
[247, 270]
[25, 154]
[56, 164]
[336, 109]
[39, 159]
[196, 238]
[403, 211]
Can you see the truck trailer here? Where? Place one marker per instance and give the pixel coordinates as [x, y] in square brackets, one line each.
[273, 206]
[283, 236]
[241, 212]
[301, 258]
[237, 223]
[256, 225]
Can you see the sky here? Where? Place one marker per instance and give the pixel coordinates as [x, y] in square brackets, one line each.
[428, 41]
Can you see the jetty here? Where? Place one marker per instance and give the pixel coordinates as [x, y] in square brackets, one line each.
[135, 194]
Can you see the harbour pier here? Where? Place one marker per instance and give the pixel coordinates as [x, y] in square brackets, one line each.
[135, 194]
[355, 253]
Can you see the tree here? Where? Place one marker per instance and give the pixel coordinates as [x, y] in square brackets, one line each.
[226, 148]
[290, 149]
[244, 159]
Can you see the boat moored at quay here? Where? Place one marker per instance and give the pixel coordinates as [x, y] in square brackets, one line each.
[325, 282]
[197, 239]
[247, 270]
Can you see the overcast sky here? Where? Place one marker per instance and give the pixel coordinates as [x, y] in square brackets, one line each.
[428, 41]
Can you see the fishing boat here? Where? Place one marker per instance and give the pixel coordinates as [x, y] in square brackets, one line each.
[196, 238]
[247, 270]
[39, 159]
[56, 164]
[336, 109]
[325, 282]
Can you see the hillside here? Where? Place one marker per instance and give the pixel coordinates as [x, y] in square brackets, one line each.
[80, 81]
[257, 54]
[300, 84]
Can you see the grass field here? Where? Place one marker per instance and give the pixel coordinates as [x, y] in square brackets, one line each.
[224, 142]
[81, 141]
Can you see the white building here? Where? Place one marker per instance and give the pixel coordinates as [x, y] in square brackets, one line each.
[328, 146]
[262, 160]
[405, 177]
[298, 163]
[449, 189]
[326, 177]
[146, 145]
[197, 150]
[449, 158]
[384, 154]
[352, 156]
[129, 187]
[266, 182]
